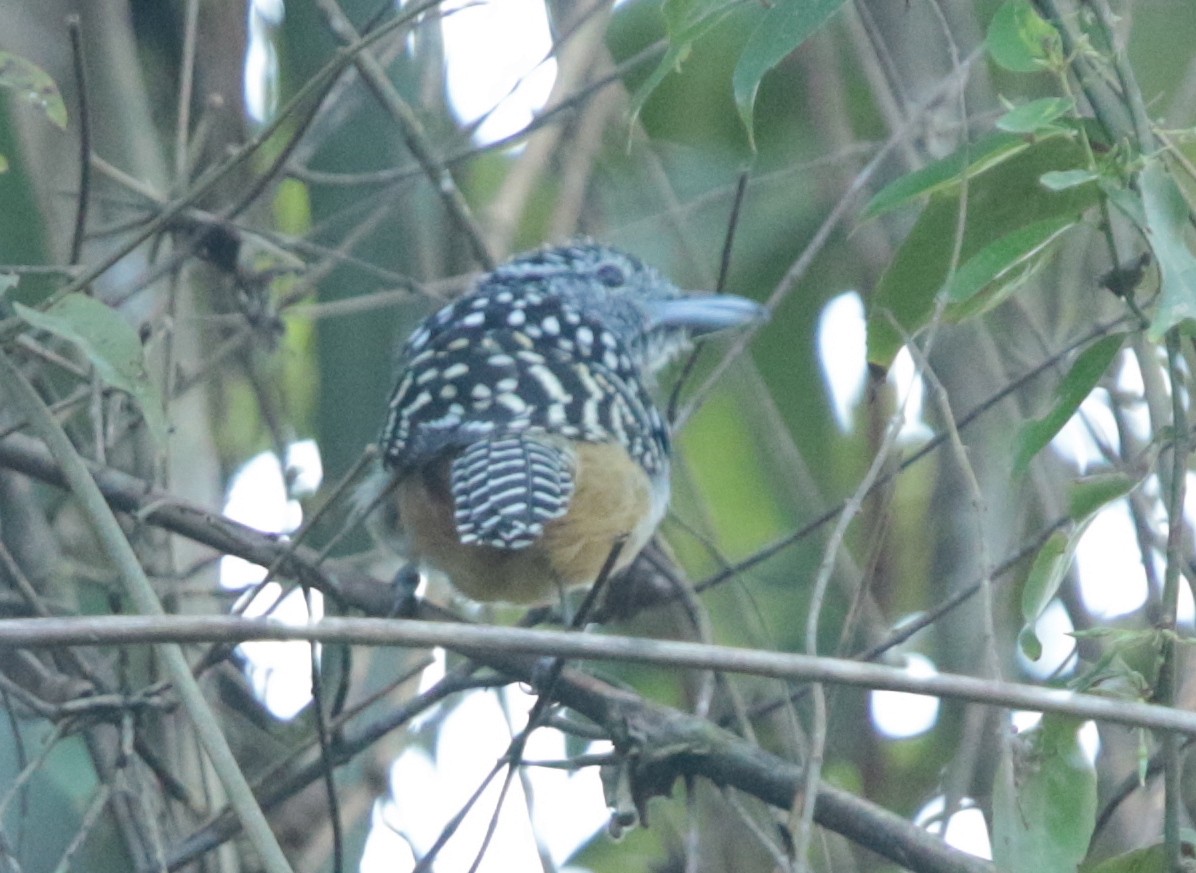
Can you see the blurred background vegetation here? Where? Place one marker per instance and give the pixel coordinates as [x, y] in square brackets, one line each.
[272, 257]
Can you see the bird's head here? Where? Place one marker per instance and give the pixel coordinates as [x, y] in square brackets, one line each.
[653, 318]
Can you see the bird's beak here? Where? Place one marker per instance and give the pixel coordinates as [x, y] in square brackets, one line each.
[703, 314]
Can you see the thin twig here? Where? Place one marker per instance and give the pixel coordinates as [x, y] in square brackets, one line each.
[33, 767]
[74, 28]
[411, 130]
[799, 267]
[324, 740]
[1168, 679]
[549, 115]
[927, 448]
[453, 824]
[539, 711]
[182, 130]
[802, 813]
[118, 550]
[724, 268]
[311, 89]
[99, 801]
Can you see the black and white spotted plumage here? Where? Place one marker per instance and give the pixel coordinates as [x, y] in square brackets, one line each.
[554, 347]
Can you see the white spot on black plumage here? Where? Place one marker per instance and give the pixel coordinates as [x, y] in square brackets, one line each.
[512, 402]
[552, 385]
[421, 400]
[403, 387]
[590, 396]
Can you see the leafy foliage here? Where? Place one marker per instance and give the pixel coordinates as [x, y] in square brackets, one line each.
[34, 87]
[1045, 803]
[1008, 223]
[1020, 40]
[782, 29]
[1080, 381]
[109, 344]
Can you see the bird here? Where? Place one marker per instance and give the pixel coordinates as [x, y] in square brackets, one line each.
[522, 440]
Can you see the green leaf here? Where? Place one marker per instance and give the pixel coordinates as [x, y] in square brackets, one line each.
[111, 346]
[1044, 811]
[1000, 201]
[1019, 39]
[1061, 180]
[33, 85]
[1126, 200]
[1035, 116]
[3, 164]
[1150, 859]
[785, 26]
[1166, 214]
[1091, 494]
[686, 21]
[1029, 643]
[684, 17]
[1053, 561]
[947, 172]
[1042, 584]
[997, 259]
[1089, 366]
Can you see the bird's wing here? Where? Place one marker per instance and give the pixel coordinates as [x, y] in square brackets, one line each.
[505, 489]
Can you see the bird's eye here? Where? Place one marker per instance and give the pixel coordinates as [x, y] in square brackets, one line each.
[610, 275]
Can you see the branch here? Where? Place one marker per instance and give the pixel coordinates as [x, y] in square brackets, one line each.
[647, 733]
[659, 743]
[491, 644]
[138, 498]
[410, 129]
[132, 576]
